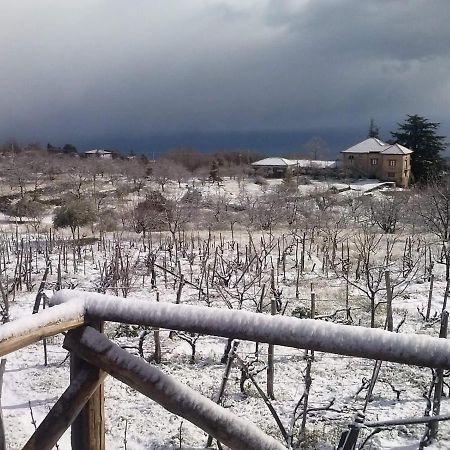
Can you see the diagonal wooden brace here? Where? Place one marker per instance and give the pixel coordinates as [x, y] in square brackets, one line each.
[66, 409]
[233, 431]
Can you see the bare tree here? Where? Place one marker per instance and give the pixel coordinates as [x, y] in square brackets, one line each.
[18, 171]
[324, 198]
[175, 216]
[374, 255]
[264, 212]
[316, 148]
[136, 171]
[179, 173]
[386, 211]
[162, 172]
[29, 208]
[432, 206]
[150, 214]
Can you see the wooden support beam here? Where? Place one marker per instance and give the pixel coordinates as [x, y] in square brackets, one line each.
[235, 432]
[88, 429]
[66, 409]
[27, 330]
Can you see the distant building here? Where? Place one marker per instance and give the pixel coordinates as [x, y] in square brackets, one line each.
[276, 167]
[374, 158]
[99, 153]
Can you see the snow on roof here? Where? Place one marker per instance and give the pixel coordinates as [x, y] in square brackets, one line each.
[274, 162]
[374, 145]
[368, 185]
[396, 149]
[317, 164]
[98, 151]
[367, 146]
[284, 162]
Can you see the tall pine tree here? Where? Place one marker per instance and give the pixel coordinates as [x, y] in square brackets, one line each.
[374, 131]
[419, 135]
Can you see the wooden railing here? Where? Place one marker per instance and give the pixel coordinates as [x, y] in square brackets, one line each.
[94, 356]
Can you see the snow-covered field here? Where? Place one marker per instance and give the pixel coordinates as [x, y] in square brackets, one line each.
[242, 263]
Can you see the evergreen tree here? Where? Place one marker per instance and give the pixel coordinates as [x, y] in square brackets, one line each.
[374, 131]
[214, 171]
[419, 135]
[69, 148]
[74, 214]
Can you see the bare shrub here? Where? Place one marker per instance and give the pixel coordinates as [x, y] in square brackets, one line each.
[150, 214]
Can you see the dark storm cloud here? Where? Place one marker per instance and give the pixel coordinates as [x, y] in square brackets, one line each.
[131, 68]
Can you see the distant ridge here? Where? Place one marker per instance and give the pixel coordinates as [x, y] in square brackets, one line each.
[275, 143]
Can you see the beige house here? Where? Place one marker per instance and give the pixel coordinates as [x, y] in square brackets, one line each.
[374, 158]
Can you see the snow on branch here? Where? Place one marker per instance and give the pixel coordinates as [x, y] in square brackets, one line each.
[27, 330]
[317, 335]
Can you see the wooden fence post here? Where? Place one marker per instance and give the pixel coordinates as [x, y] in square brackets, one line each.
[88, 429]
[229, 429]
[65, 411]
[2, 427]
[439, 381]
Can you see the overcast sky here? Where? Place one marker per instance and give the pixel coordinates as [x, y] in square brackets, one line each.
[74, 70]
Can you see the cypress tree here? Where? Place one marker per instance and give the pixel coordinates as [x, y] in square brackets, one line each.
[374, 131]
[420, 135]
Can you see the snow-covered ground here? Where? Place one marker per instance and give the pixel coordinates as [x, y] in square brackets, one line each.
[31, 387]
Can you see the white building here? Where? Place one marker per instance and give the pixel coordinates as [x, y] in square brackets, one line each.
[99, 153]
[277, 167]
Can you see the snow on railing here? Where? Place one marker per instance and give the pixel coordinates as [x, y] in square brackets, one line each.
[26, 330]
[317, 335]
[71, 309]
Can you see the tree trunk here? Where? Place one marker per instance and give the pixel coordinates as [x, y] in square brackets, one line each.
[226, 352]
[224, 382]
[430, 297]
[439, 381]
[2, 427]
[389, 318]
[372, 312]
[88, 429]
[270, 357]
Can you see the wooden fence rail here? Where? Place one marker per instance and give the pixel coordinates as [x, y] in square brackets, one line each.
[25, 331]
[420, 350]
[93, 355]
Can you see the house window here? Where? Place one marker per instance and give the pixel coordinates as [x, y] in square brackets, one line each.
[391, 174]
[374, 161]
[350, 156]
[392, 163]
